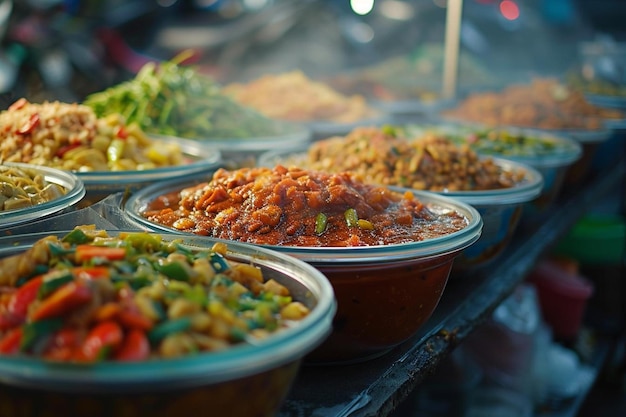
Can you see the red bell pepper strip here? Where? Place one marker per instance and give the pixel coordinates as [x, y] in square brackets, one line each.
[65, 149]
[121, 132]
[63, 345]
[8, 321]
[129, 315]
[66, 298]
[23, 297]
[135, 347]
[10, 343]
[101, 341]
[87, 252]
[30, 125]
[126, 313]
[132, 318]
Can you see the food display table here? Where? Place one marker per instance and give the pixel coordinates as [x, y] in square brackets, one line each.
[377, 387]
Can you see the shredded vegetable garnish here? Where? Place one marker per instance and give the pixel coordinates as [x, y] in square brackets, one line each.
[172, 99]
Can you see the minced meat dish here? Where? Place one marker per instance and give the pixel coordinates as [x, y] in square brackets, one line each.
[297, 207]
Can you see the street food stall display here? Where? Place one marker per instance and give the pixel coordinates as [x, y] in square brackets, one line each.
[290, 209]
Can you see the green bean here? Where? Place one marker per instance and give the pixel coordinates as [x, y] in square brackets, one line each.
[320, 223]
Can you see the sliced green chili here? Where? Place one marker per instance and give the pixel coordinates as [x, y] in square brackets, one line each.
[162, 330]
[35, 331]
[352, 218]
[76, 237]
[321, 220]
[174, 270]
[50, 284]
[58, 250]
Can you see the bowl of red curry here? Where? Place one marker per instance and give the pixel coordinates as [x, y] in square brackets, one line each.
[129, 323]
[387, 253]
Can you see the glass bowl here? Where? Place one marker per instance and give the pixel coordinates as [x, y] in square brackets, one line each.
[198, 158]
[384, 293]
[499, 209]
[73, 185]
[216, 381]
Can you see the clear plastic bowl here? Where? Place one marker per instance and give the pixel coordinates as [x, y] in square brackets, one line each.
[215, 381]
[75, 191]
[500, 209]
[384, 293]
[198, 158]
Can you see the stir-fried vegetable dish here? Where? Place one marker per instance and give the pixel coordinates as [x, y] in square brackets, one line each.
[89, 296]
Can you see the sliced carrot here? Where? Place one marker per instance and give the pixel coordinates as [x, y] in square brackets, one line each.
[87, 252]
[107, 311]
[91, 272]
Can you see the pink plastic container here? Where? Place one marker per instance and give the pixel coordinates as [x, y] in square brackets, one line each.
[563, 297]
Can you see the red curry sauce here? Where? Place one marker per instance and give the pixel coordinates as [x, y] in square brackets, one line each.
[297, 207]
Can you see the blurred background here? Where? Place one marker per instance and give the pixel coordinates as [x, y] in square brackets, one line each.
[66, 49]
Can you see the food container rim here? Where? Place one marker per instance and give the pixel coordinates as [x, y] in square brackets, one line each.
[239, 361]
[207, 158]
[414, 106]
[583, 136]
[330, 128]
[453, 242]
[293, 133]
[68, 180]
[571, 154]
[523, 192]
[603, 100]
